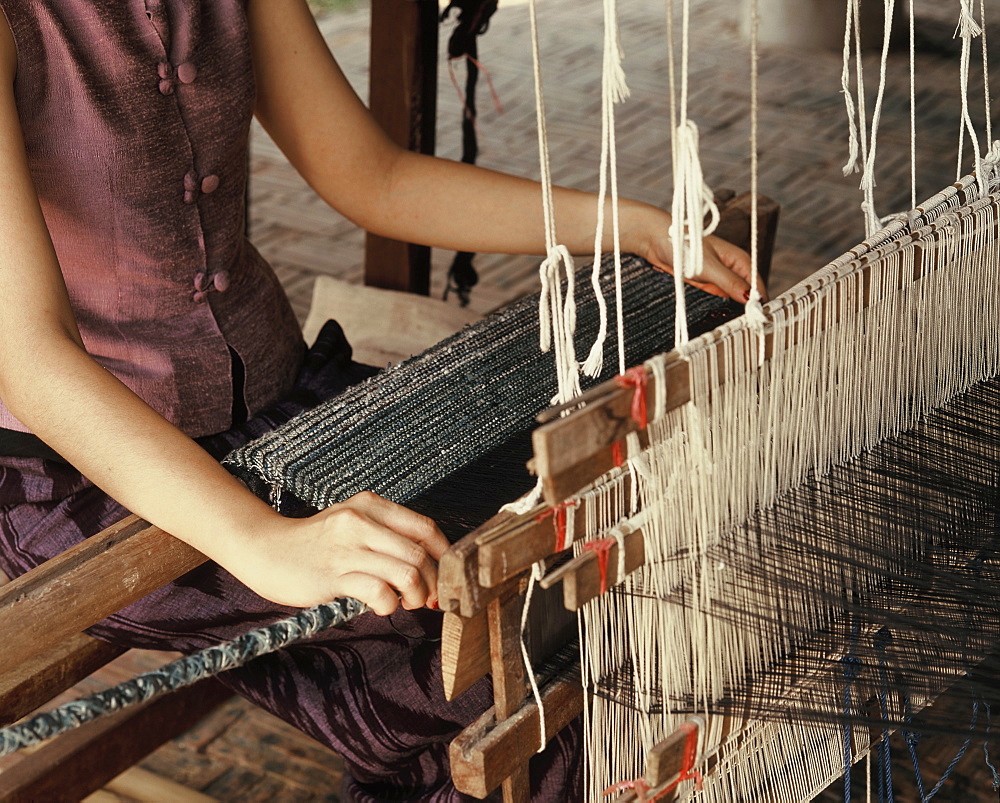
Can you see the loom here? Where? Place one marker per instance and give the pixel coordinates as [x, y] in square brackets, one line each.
[762, 559]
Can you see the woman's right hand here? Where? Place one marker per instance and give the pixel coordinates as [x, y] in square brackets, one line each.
[367, 547]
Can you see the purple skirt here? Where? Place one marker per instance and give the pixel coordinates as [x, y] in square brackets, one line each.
[371, 690]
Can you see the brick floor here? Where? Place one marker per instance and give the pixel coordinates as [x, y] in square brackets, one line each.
[803, 133]
[241, 753]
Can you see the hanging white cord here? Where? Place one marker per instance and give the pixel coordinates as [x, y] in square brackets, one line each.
[754, 309]
[854, 148]
[986, 76]
[557, 317]
[913, 107]
[968, 29]
[693, 199]
[537, 571]
[613, 90]
[872, 223]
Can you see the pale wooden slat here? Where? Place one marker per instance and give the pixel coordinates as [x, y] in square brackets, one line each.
[85, 759]
[141, 785]
[25, 687]
[87, 583]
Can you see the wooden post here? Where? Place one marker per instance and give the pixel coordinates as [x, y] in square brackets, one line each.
[403, 99]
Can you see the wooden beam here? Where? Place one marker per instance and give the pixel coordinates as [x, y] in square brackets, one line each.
[83, 760]
[486, 752]
[26, 686]
[509, 686]
[87, 583]
[403, 100]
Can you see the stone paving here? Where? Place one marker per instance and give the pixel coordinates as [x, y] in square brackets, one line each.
[240, 753]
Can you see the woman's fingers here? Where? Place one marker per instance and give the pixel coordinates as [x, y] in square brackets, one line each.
[372, 591]
[402, 520]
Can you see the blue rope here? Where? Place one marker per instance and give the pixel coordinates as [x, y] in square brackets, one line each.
[986, 748]
[911, 738]
[179, 673]
[882, 639]
[958, 757]
[852, 668]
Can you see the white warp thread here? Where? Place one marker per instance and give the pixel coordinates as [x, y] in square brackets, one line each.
[872, 222]
[557, 316]
[613, 90]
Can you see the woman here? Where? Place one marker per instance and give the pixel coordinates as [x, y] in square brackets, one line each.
[136, 318]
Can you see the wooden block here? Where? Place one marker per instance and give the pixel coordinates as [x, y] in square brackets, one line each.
[465, 652]
[87, 583]
[667, 762]
[25, 687]
[506, 662]
[486, 752]
[85, 759]
[581, 577]
[508, 552]
[459, 590]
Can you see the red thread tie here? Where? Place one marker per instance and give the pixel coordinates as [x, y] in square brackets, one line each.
[687, 772]
[558, 514]
[637, 379]
[602, 549]
[617, 458]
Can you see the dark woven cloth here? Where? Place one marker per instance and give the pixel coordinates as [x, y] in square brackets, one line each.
[419, 422]
[369, 692]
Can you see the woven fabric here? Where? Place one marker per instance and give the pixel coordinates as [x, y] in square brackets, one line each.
[405, 430]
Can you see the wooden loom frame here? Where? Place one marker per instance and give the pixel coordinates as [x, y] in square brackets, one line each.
[483, 577]
[482, 580]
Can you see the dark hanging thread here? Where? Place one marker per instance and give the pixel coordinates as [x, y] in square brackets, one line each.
[473, 20]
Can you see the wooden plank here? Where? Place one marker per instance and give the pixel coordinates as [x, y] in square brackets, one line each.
[465, 652]
[87, 583]
[403, 100]
[85, 759]
[581, 577]
[139, 784]
[487, 752]
[25, 687]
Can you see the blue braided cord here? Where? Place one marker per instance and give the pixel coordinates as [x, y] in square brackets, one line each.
[852, 668]
[882, 639]
[986, 748]
[179, 673]
[958, 757]
[911, 738]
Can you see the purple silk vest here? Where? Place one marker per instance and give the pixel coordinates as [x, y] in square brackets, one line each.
[136, 117]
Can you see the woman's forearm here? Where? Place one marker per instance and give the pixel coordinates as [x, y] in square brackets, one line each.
[449, 204]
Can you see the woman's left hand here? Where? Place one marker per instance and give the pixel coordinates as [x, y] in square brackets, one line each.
[726, 270]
